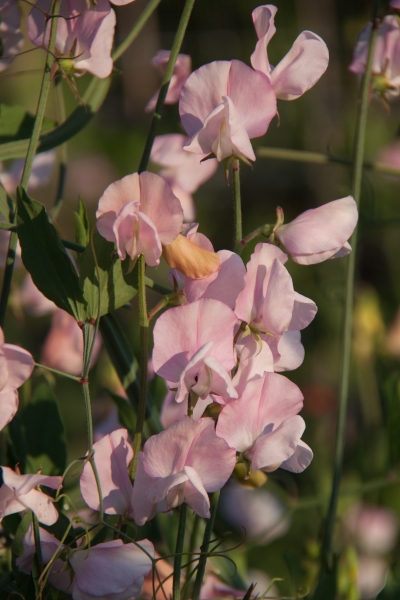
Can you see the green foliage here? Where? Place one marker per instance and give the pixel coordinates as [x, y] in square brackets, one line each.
[45, 258]
[391, 396]
[17, 124]
[327, 584]
[126, 415]
[116, 285]
[4, 204]
[81, 225]
[47, 450]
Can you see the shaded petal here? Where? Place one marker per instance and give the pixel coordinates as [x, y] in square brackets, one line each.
[20, 365]
[300, 460]
[304, 311]
[195, 495]
[115, 197]
[291, 352]
[273, 448]
[278, 306]
[100, 62]
[8, 407]
[41, 505]
[255, 360]
[263, 19]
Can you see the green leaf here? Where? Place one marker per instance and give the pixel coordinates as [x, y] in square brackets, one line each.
[81, 224]
[93, 98]
[45, 258]
[48, 450]
[17, 124]
[126, 414]
[5, 205]
[116, 286]
[327, 584]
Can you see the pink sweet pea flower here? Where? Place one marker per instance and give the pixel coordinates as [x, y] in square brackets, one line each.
[193, 348]
[16, 366]
[183, 170]
[263, 424]
[302, 66]
[182, 69]
[320, 233]
[223, 105]
[385, 63]
[63, 346]
[139, 213]
[179, 465]
[112, 456]
[268, 303]
[42, 167]
[395, 4]
[19, 493]
[108, 571]
[84, 36]
[32, 300]
[11, 38]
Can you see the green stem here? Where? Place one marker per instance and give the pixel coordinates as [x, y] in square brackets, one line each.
[176, 582]
[204, 547]
[62, 373]
[7, 277]
[62, 169]
[317, 158]
[192, 546]
[137, 28]
[144, 349]
[348, 315]
[38, 559]
[187, 10]
[237, 205]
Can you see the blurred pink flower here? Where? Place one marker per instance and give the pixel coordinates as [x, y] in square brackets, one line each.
[374, 528]
[112, 456]
[84, 36]
[386, 59]
[139, 213]
[63, 346]
[389, 155]
[108, 571]
[395, 4]
[300, 69]
[193, 348]
[183, 170]
[10, 35]
[32, 300]
[16, 366]
[223, 105]
[320, 233]
[19, 492]
[182, 69]
[179, 465]
[263, 424]
[42, 167]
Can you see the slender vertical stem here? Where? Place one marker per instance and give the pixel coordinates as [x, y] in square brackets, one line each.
[348, 315]
[237, 205]
[204, 547]
[187, 10]
[44, 92]
[176, 583]
[62, 169]
[136, 29]
[192, 546]
[144, 343]
[37, 566]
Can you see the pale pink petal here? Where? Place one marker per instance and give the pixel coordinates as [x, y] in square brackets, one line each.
[195, 494]
[10, 35]
[161, 206]
[160, 488]
[279, 300]
[167, 150]
[180, 332]
[202, 93]
[185, 198]
[41, 505]
[300, 69]
[149, 241]
[274, 447]
[304, 311]
[23, 484]
[141, 507]
[255, 360]
[344, 251]
[20, 365]
[100, 62]
[291, 352]
[126, 231]
[300, 460]
[113, 454]
[221, 383]
[195, 375]
[320, 230]
[173, 411]
[263, 19]
[224, 285]
[115, 197]
[182, 69]
[8, 407]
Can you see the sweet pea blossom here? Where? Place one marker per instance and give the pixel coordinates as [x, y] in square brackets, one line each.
[183, 170]
[16, 366]
[223, 105]
[179, 465]
[108, 571]
[19, 492]
[300, 69]
[385, 62]
[264, 426]
[139, 213]
[182, 69]
[84, 35]
[320, 233]
[268, 303]
[42, 167]
[11, 38]
[193, 349]
[112, 455]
